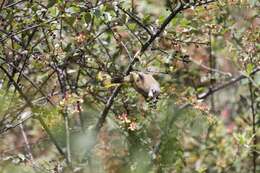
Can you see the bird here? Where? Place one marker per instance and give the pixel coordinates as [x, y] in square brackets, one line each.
[143, 83]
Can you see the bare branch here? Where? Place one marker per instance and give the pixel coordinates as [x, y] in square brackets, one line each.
[226, 84]
[253, 112]
[136, 20]
[30, 104]
[110, 101]
[129, 68]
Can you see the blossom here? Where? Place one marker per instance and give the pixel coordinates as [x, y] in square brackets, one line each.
[124, 118]
[132, 126]
[80, 38]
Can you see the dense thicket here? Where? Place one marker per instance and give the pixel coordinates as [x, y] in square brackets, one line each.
[57, 115]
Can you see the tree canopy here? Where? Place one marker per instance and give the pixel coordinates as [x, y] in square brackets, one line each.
[58, 115]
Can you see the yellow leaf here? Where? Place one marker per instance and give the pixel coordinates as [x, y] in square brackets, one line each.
[109, 85]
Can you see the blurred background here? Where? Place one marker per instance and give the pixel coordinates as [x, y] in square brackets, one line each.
[56, 115]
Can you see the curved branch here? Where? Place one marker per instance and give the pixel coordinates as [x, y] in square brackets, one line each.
[179, 7]
[110, 101]
[226, 84]
[30, 104]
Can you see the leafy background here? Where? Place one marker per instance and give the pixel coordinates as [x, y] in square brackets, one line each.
[52, 102]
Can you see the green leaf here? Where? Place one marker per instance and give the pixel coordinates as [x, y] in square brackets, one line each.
[68, 47]
[161, 19]
[87, 17]
[73, 9]
[250, 68]
[70, 20]
[185, 22]
[132, 26]
[146, 19]
[51, 3]
[201, 170]
[54, 11]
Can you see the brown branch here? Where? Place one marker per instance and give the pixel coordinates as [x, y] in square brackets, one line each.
[62, 82]
[136, 20]
[110, 101]
[15, 38]
[144, 47]
[212, 70]
[27, 145]
[38, 89]
[68, 139]
[2, 4]
[226, 84]
[25, 29]
[17, 87]
[13, 4]
[253, 112]
[30, 104]
[120, 41]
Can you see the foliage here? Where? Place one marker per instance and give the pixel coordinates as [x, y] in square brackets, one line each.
[57, 116]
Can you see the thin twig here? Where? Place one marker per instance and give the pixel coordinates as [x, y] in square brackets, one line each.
[253, 112]
[67, 130]
[121, 42]
[38, 89]
[30, 104]
[62, 82]
[13, 4]
[226, 84]
[25, 29]
[15, 38]
[210, 69]
[27, 145]
[2, 4]
[110, 101]
[136, 20]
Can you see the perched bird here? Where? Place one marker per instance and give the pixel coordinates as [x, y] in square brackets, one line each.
[143, 83]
